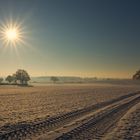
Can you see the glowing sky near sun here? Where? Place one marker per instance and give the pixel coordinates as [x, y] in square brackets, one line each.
[74, 38]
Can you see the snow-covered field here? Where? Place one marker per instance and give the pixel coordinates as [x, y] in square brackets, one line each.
[128, 127]
[20, 104]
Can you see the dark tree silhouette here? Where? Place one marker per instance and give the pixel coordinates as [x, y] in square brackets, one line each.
[54, 79]
[136, 76]
[22, 76]
[9, 78]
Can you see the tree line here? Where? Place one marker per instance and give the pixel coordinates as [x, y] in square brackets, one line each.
[20, 77]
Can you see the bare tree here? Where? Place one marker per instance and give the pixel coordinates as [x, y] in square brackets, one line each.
[9, 78]
[1, 79]
[54, 79]
[14, 79]
[136, 76]
[22, 76]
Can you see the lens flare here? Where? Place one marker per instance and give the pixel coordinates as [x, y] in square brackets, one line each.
[12, 34]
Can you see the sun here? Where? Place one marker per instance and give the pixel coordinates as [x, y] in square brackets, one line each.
[12, 34]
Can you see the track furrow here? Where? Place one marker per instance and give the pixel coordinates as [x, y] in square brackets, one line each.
[46, 125]
[96, 127]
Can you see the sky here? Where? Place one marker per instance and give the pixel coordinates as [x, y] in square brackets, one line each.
[87, 38]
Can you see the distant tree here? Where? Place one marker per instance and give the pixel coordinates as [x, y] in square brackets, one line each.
[136, 76]
[1, 79]
[54, 79]
[22, 76]
[9, 78]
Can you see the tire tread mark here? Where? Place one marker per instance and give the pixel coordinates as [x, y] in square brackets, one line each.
[31, 129]
[108, 117]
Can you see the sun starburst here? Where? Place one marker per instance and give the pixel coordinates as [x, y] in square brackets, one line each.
[12, 34]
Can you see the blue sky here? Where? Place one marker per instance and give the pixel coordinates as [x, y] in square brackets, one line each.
[73, 37]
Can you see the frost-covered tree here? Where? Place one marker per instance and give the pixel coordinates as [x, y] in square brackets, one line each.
[22, 76]
[54, 79]
[1, 79]
[136, 76]
[9, 78]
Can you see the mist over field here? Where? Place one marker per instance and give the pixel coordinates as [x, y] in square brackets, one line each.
[70, 79]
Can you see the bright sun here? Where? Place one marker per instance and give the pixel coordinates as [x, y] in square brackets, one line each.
[12, 34]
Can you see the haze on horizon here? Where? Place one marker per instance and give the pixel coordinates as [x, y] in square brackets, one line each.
[84, 38]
